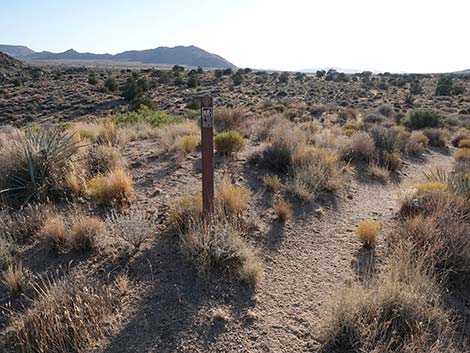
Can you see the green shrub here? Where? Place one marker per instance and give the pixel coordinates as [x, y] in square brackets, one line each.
[229, 142]
[92, 79]
[437, 137]
[422, 118]
[141, 101]
[154, 118]
[111, 84]
[444, 86]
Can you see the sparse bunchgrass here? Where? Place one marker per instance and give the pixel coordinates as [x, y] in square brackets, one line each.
[155, 118]
[134, 227]
[66, 316]
[233, 199]
[430, 186]
[367, 232]
[228, 118]
[102, 159]
[187, 144]
[171, 133]
[437, 137]
[401, 312]
[464, 143]
[14, 278]
[83, 233]
[8, 250]
[419, 137]
[220, 244]
[185, 210]
[107, 134]
[416, 144]
[272, 183]
[113, 187]
[54, 232]
[229, 142]
[462, 154]
[282, 210]
[375, 171]
[220, 314]
[360, 147]
[21, 225]
[462, 134]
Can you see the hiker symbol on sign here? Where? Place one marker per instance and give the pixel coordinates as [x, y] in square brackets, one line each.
[207, 120]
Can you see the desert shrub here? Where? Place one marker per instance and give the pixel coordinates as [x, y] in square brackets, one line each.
[367, 232]
[155, 118]
[8, 251]
[272, 183]
[111, 84]
[444, 86]
[422, 118]
[401, 312]
[373, 119]
[233, 199]
[464, 143]
[112, 187]
[376, 171]
[134, 227]
[458, 136]
[437, 137]
[228, 118]
[83, 233]
[184, 210]
[419, 137]
[416, 144]
[141, 102]
[386, 147]
[282, 209]
[430, 186]
[187, 144]
[360, 147]
[229, 142]
[107, 134]
[67, 316]
[103, 158]
[92, 79]
[462, 154]
[193, 81]
[21, 225]
[14, 278]
[386, 110]
[35, 166]
[220, 244]
[54, 232]
[284, 77]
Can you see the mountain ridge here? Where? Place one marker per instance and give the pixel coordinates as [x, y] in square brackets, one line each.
[178, 55]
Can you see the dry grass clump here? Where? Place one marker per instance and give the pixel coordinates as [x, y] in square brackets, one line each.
[113, 187]
[21, 225]
[360, 147]
[169, 134]
[14, 277]
[229, 142]
[187, 144]
[375, 171]
[103, 158]
[402, 312]
[367, 232]
[464, 143]
[321, 171]
[272, 183]
[228, 118]
[462, 154]
[437, 137]
[416, 144]
[108, 134]
[134, 227]
[185, 210]
[66, 316]
[83, 233]
[8, 251]
[462, 134]
[54, 232]
[386, 147]
[220, 244]
[282, 210]
[430, 186]
[232, 199]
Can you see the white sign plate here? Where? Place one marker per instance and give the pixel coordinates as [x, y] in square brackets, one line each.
[207, 117]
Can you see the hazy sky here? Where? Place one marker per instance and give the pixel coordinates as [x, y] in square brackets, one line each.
[388, 35]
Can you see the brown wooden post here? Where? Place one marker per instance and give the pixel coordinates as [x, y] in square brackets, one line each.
[207, 141]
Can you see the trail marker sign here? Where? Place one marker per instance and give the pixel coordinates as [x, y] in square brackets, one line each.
[207, 142]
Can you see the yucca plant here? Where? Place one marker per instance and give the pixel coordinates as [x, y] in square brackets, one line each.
[37, 164]
[458, 183]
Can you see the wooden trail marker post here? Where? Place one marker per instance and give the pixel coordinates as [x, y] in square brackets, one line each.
[207, 141]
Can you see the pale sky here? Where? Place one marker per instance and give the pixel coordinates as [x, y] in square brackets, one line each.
[392, 35]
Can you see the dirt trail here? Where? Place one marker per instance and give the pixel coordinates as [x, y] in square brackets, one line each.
[315, 257]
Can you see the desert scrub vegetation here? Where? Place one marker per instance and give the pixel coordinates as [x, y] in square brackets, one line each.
[102, 159]
[35, 164]
[360, 147]
[282, 209]
[229, 142]
[229, 118]
[65, 316]
[187, 144]
[437, 137]
[83, 233]
[367, 232]
[113, 187]
[185, 210]
[221, 244]
[232, 199]
[145, 115]
[421, 118]
[14, 277]
[272, 183]
[401, 312]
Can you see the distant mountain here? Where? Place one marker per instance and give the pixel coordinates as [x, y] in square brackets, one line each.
[180, 55]
[16, 50]
[463, 72]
